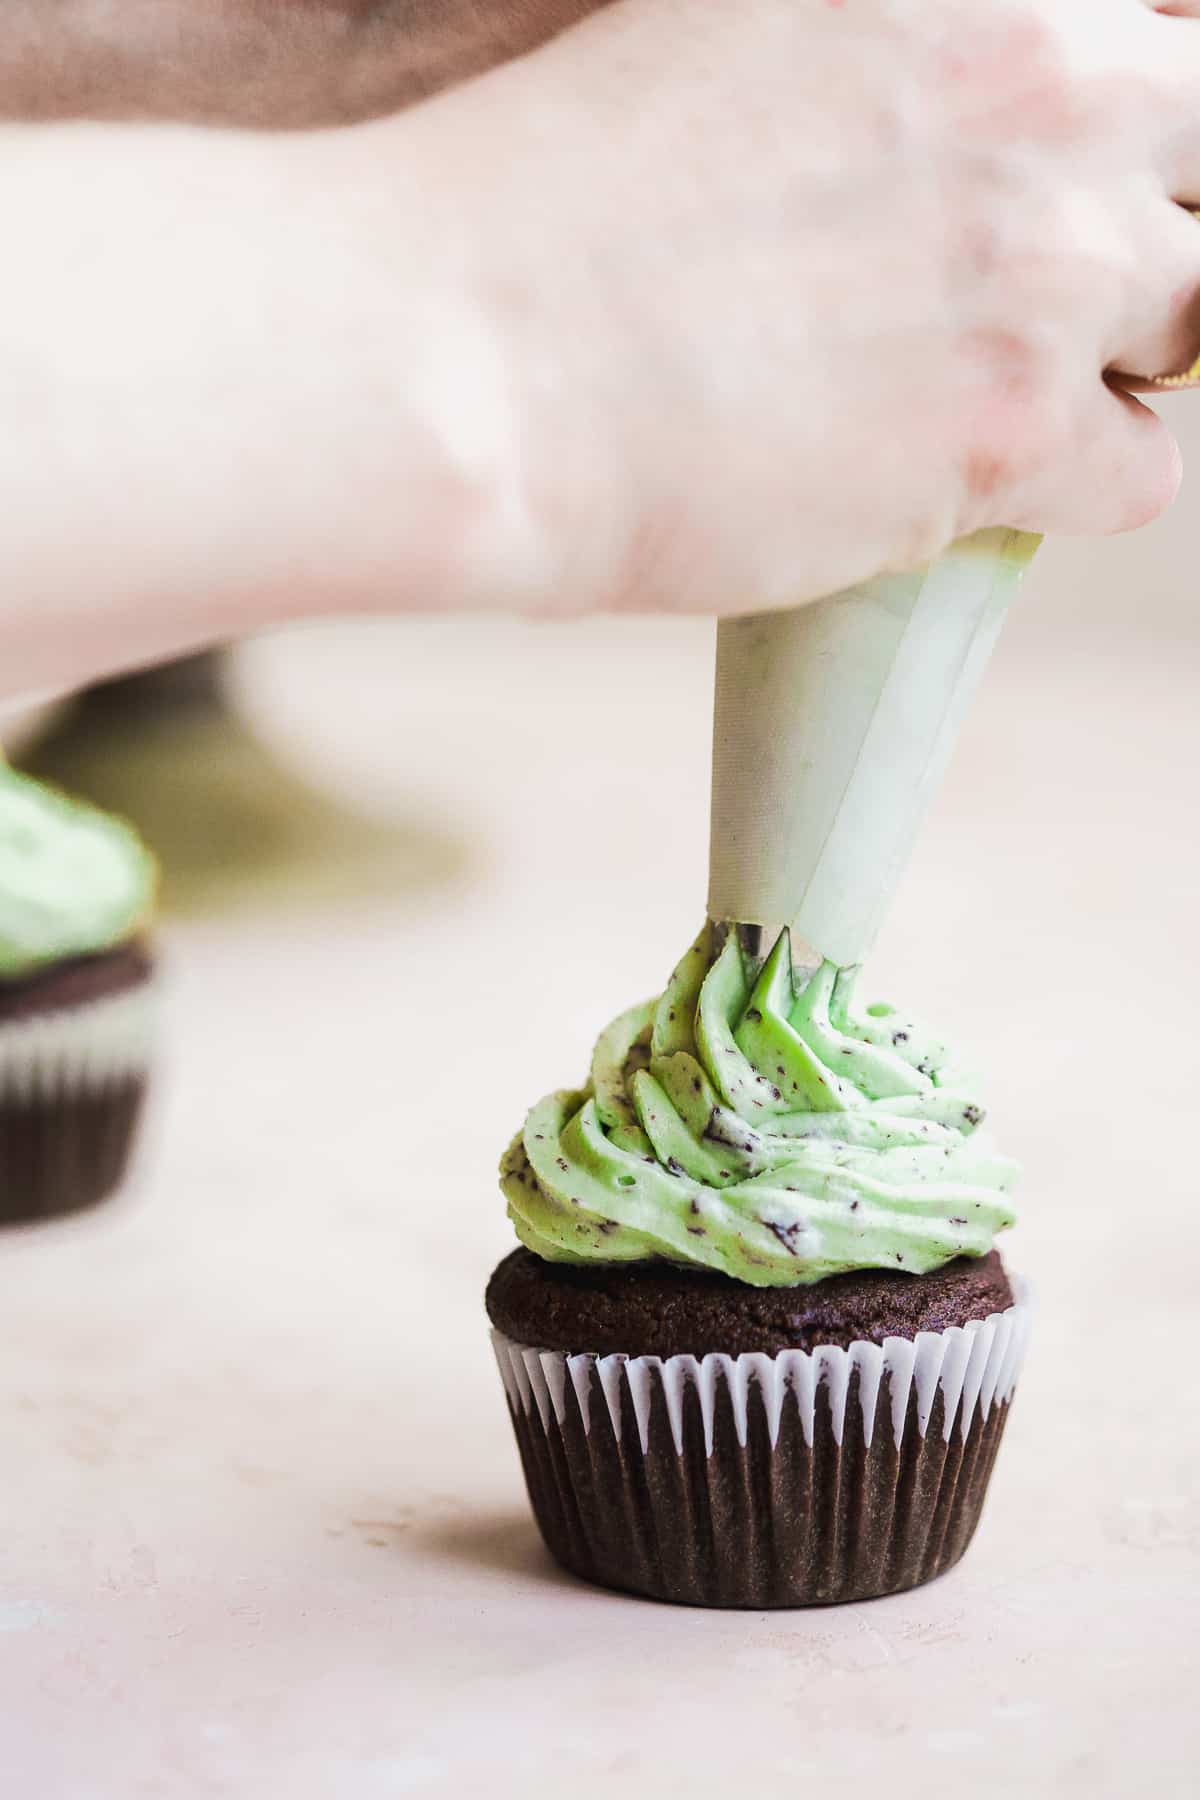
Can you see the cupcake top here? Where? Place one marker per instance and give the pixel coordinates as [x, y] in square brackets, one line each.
[753, 1121]
[73, 880]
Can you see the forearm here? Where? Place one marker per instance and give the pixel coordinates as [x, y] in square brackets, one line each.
[236, 386]
[423, 363]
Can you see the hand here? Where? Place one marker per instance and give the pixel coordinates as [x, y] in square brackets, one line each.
[808, 290]
[698, 306]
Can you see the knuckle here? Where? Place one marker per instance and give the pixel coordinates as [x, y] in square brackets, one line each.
[1158, 483]
[1020, 414]
[1138, 474]
[1028, 72]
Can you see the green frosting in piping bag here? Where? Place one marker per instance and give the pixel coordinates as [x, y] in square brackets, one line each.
[754, 1122]
[73, 880]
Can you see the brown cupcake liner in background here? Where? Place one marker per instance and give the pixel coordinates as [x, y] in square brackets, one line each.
[72, 1088]
[800, 1479]
[63, 1153]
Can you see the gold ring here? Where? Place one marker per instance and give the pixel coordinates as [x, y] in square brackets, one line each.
[1190, 379]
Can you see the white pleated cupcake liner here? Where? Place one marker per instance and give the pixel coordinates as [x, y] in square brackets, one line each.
[87, 1048]
[798, 1479]
[974, 1366]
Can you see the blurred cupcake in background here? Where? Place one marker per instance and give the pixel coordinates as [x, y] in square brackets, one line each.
[77, 891]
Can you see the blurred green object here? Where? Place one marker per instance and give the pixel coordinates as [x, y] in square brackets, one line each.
[230, 822]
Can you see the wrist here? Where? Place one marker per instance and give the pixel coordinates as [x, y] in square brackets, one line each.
[433, 425]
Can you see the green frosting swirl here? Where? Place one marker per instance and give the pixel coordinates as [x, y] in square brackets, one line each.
[73, 880]
[752, 1121]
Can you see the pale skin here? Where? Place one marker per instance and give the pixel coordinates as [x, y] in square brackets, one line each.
[693, 307]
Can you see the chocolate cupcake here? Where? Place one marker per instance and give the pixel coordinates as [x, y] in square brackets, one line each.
[759, 1349]
[76, 999]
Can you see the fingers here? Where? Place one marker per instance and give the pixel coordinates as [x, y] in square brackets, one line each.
[1163, 338]
[1125, 472]
[1175, 44]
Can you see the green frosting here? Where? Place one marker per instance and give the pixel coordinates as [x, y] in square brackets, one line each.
[72, 880]
[752, 1121]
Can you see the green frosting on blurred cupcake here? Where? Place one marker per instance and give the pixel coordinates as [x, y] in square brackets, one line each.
[753, 1121]
[73, 881]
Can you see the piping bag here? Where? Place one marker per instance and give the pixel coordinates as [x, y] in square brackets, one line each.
[832, 726]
